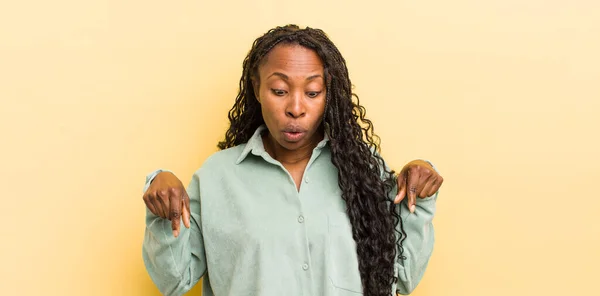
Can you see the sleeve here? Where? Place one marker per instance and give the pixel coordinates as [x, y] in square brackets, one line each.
[150, 177]
[175, 264]
[418, 245]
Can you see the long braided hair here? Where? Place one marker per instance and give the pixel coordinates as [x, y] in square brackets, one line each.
[363, 179]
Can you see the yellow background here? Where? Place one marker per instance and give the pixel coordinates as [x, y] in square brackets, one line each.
[503, 96]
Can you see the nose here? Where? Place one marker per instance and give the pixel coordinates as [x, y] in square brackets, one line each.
[295, 107]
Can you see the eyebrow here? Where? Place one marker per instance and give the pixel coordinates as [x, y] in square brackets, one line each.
[285, 77]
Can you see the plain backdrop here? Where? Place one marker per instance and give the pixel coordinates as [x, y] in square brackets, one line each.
[502, 96]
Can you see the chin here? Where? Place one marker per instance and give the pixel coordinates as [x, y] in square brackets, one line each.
[289, 145]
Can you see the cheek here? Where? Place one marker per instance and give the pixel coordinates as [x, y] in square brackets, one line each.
[268, 105]
[269, 111]
[321, 106]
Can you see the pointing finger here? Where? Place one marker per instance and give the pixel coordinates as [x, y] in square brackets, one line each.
[175, 214]
[413, 179]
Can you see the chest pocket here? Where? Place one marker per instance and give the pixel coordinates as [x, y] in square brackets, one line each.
[343, 260]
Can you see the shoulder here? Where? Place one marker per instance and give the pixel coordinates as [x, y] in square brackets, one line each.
[221, 160]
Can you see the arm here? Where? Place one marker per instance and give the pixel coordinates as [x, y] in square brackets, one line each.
[175, 264]
[418, 245]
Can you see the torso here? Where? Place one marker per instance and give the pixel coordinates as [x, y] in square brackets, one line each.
[297, 172]
[296, 169]
[264, 234]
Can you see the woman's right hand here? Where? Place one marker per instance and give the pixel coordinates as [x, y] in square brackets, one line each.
[166, 197]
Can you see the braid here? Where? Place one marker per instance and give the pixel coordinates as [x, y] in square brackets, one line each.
[352, 140]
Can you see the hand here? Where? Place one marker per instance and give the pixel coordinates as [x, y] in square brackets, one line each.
[166, 197]
[418, 178]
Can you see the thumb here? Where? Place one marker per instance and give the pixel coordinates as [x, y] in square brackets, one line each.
[401, 188]
[185, 215]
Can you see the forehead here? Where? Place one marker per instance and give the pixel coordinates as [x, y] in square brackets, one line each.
[292, 58]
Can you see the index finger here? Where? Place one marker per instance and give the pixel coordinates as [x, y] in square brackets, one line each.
[175, 213]
[413, 180]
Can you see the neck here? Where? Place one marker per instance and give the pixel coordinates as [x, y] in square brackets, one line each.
[290, 157]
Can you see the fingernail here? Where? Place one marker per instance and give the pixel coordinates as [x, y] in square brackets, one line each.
[412, 208]
[397, 198]
[175, 233]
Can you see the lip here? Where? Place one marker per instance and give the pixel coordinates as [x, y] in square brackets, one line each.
[294, 129]
[293, 133]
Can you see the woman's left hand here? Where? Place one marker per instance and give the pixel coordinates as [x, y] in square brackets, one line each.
[417, 179]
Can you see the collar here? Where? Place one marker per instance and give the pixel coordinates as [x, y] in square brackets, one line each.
[256, 146]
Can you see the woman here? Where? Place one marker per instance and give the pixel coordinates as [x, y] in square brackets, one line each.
[297, 202]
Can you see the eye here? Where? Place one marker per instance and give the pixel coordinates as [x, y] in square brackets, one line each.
[313, 94]
[278, 92]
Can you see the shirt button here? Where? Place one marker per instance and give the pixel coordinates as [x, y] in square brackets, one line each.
[300, 219]
[305, 266]
[306, 179]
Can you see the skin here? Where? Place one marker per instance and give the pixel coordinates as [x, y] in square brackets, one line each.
[417, 179]
[291, 91]
[166, 197]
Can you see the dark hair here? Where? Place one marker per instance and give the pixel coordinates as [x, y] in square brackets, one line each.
[365, 182]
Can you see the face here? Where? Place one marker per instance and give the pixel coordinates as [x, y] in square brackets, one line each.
[291, 93]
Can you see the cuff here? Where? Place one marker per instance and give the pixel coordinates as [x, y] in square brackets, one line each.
[150, 177]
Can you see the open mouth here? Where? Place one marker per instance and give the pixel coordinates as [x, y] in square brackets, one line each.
[293, 136]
